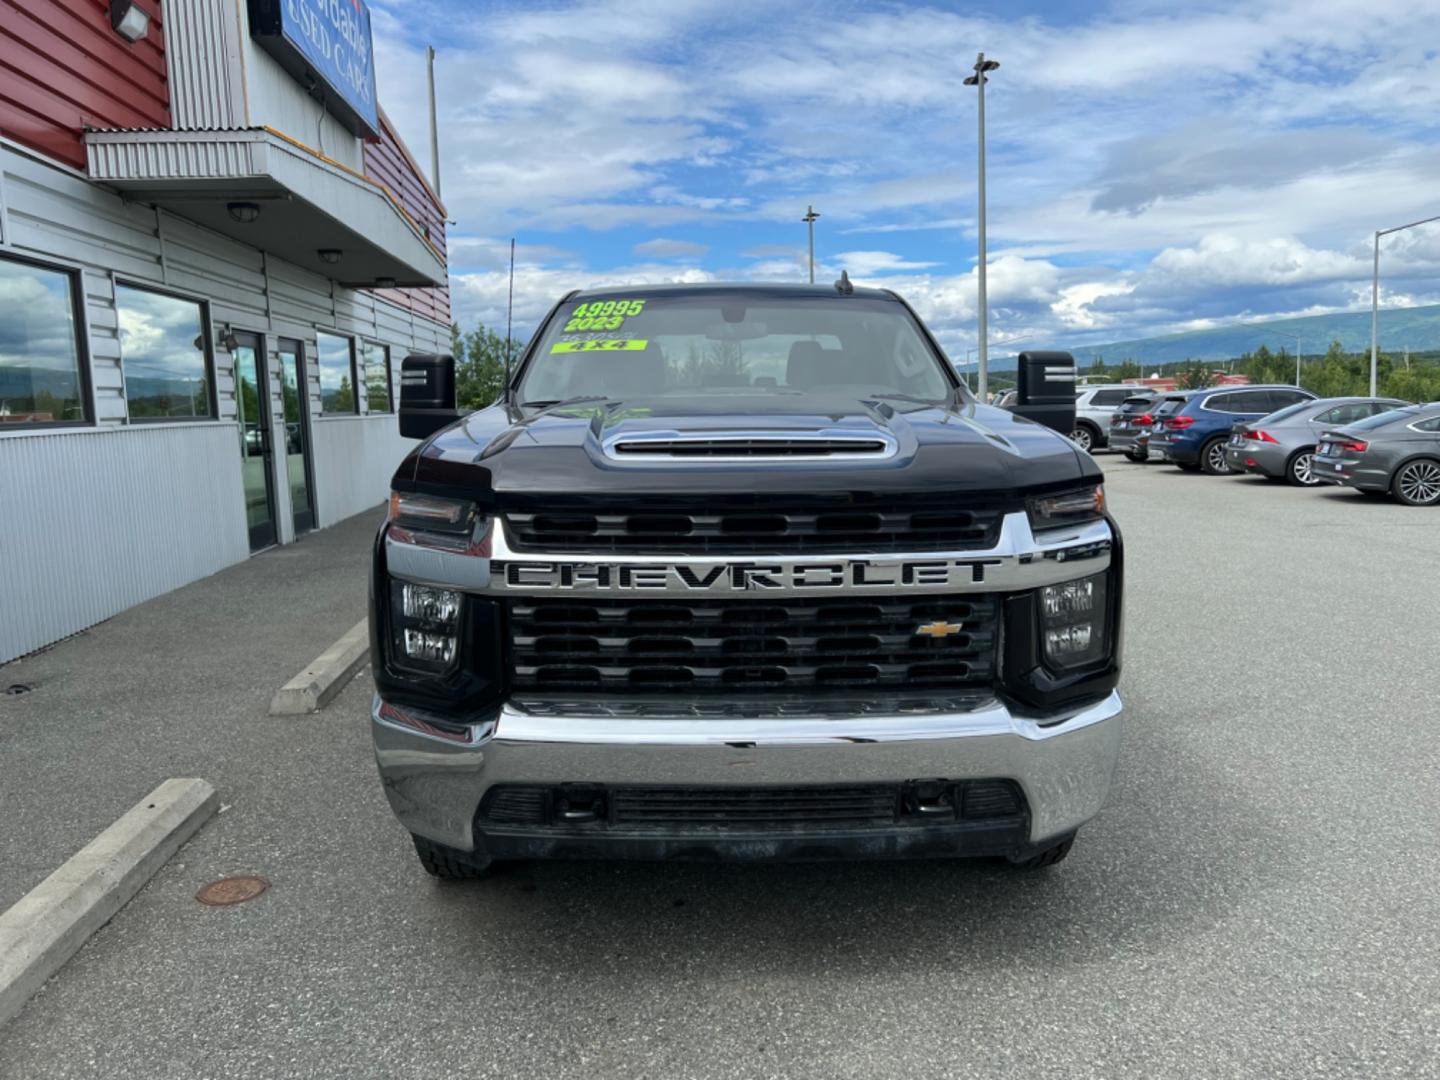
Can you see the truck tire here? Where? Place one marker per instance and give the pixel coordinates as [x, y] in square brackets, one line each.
[447, 863]
[1048, 856]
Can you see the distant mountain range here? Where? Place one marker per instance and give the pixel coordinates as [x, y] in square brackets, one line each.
[1416, 328]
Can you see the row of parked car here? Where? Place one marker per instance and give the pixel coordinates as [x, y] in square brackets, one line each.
[1375, 445]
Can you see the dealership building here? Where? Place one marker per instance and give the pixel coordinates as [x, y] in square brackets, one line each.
[214, 252]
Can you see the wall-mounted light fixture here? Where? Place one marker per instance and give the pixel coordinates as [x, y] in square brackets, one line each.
[385, 283]
[129, 20]
[228, 341]
[330, 255]
[243, 212]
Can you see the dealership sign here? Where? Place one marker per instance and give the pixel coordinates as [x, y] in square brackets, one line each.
[324, 44]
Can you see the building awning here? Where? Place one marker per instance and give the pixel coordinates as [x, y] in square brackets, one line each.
[307, 203]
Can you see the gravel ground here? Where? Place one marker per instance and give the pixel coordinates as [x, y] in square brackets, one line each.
[1257, 899]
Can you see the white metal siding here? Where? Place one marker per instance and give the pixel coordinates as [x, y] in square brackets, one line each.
[99, 520]
[355, 457]
[92, 530]
[203, 55]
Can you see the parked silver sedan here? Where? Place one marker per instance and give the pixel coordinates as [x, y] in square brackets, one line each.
[1396, 451]
[1282, 445]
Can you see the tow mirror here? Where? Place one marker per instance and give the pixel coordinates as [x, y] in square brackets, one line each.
[1046, 390]
[427, 394]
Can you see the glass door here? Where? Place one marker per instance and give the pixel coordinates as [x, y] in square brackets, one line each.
[297, 433]
[252, 408]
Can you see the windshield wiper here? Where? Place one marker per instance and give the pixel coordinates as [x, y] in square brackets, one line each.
[548, 405]
[908, 397]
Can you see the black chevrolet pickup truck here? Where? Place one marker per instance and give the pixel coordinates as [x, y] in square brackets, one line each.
[740, 572]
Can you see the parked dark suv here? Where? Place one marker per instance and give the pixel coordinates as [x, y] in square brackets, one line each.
[1193, 435]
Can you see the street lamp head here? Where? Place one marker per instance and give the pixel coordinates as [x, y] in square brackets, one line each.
[972, 80]
[988, 65]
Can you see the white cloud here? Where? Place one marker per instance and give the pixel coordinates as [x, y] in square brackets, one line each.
[660, 248]
[867, 263]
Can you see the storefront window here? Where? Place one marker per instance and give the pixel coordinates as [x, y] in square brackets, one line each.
[39, 347]
[377, 377]
[337, 374]
[162, 348]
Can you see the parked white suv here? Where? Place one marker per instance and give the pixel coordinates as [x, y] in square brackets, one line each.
[1094, 405]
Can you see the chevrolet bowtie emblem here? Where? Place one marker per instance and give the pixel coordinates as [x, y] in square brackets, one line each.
[938, 629]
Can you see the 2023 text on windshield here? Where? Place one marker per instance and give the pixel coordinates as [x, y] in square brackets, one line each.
[632, 347]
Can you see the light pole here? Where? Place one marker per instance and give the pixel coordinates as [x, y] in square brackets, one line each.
[809, 219]
[978, 80]
[1375, 299]
[1288, 334]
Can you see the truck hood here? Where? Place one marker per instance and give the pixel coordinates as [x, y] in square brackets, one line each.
[501, 455]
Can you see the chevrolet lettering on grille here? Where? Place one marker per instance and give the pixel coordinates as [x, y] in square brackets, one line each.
[740, 576]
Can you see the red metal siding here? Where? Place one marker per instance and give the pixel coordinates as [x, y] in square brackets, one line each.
[63, 69]
[388, 162]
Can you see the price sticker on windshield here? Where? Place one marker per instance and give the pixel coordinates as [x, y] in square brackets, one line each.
[603, 315]
[602, 345]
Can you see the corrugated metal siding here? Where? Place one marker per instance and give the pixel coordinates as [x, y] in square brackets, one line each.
[200, 155]
[388, 162]
[206, 89]
[355, 457]
[63, 69]
[167, 500]
[112, 517]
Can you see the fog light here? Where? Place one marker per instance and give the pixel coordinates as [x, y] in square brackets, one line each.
[436, 607]
[429, 648]
[1073, 622]
[425, 627]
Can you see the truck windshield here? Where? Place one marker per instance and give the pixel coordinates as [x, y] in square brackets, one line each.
[629, 347]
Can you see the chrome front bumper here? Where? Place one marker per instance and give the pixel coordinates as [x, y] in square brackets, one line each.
[435, 778]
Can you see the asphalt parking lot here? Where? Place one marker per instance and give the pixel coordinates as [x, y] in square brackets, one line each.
[1258, 898]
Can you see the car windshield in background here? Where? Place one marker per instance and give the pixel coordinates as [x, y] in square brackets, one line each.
[1383, 419]
[1287, 412]
[728, 345]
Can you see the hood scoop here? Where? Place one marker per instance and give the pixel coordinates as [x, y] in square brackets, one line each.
[825, 445]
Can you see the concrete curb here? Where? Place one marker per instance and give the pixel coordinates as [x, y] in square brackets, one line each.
[50, 922]
[325, 676]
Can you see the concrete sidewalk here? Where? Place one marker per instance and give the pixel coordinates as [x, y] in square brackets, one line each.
[178, 686]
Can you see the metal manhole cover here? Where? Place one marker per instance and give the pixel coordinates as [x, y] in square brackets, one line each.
[232, 890]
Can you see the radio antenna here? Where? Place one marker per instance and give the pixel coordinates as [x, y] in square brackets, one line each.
[509, 311]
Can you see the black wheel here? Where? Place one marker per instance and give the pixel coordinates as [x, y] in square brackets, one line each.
[1299, 470]
[1047, 856]
[1417, 483]
[1134, 456]
[1084, 437]
[1212, 458]
[447, 863]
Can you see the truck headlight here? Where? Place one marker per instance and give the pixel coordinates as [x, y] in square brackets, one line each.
[425, 627]
[1067, 508]
[445, 524]
[1074, 618]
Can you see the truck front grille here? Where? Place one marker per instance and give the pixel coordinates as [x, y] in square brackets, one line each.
[752, 808]
[799, 527]
[722, 646]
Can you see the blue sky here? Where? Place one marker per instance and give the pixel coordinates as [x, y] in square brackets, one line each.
[1153, 167]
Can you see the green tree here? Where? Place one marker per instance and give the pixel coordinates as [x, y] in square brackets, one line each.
[344, 397]
[480, 366]
[1195, 375]
[1097, 366]
[1127, 370]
